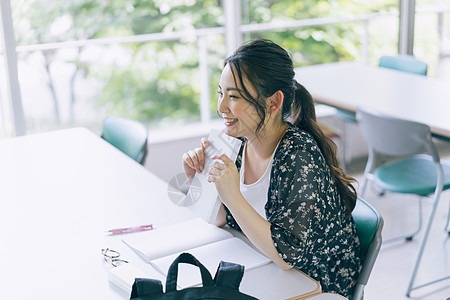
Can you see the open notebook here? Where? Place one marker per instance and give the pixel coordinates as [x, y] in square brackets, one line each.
[208, 243]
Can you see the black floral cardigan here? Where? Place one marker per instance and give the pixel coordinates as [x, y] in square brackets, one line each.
[310, 229]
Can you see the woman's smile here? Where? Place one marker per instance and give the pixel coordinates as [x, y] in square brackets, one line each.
[230, 121]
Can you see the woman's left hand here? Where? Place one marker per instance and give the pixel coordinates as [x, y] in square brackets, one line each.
[225, 176]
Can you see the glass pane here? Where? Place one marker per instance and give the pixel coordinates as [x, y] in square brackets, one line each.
[71, 76]
[348, 37]
[432, 36]
[6, 121]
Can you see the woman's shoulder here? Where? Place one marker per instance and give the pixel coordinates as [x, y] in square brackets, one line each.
[296, 145]
[295, 139]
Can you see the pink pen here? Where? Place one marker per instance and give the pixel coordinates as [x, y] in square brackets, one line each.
[130, 229]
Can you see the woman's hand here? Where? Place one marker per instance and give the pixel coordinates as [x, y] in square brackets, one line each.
[225, 176]
[194, 160]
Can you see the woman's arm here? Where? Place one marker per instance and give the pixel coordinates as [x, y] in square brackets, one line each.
[221, 219]
[226, 178]
[256, 228]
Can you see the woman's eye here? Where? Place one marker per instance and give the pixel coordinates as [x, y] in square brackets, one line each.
[229, 96]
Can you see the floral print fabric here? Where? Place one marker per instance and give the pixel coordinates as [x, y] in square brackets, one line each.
[310, 229]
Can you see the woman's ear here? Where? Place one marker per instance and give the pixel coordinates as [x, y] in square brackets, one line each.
[275, 102]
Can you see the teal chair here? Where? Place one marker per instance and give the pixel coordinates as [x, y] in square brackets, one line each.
[129, 136]
[404, 63]
[369, 225]
[403, 159]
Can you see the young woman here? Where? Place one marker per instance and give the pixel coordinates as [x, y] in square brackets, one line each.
[286, 191]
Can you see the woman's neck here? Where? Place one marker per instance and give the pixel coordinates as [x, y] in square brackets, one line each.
[263, 145]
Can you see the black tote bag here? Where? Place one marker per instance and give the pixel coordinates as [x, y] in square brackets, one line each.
[225, 284]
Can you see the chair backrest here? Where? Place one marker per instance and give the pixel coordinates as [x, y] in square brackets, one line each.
[129, 136]
[369, 225]
[393, 136]
[404, 63]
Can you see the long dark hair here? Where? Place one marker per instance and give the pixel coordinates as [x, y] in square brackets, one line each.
[269, 68]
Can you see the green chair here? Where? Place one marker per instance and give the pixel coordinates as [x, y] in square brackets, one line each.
[369, 225]
[403, 159]
[129, 136]
[403, 63]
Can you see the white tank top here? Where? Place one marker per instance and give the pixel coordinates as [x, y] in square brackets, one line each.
[256, 193]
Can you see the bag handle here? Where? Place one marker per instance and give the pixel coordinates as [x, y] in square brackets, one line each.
[172, 275]
[145, 287]
[229, 275]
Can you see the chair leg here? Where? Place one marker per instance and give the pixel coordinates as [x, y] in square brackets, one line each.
[410, 236]
[341, 153]
[448, 220]
[345, 148]
[363, 186]
[341, 147]
[367, 176]
[421, 249]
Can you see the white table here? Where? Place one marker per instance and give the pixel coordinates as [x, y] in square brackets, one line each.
[347, 85]
[60, 191]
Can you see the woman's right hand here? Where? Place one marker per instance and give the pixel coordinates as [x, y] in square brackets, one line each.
[194, 160]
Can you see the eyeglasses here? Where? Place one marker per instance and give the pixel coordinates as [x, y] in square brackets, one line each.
[112, 256]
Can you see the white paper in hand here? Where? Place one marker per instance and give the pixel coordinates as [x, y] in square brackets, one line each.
[204, 195]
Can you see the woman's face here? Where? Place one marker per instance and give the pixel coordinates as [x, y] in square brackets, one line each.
[240, 117]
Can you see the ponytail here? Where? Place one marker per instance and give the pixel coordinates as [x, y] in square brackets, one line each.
[303, 116]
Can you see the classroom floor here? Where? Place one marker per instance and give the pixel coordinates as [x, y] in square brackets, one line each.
[391, 273]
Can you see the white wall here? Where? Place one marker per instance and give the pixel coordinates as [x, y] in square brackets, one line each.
[164, 158]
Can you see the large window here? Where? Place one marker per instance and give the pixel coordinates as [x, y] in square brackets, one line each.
[82, 60]
[432, 35]
[160, 61]
[336, 30]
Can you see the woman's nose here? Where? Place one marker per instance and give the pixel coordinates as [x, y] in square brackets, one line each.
[222, 106]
